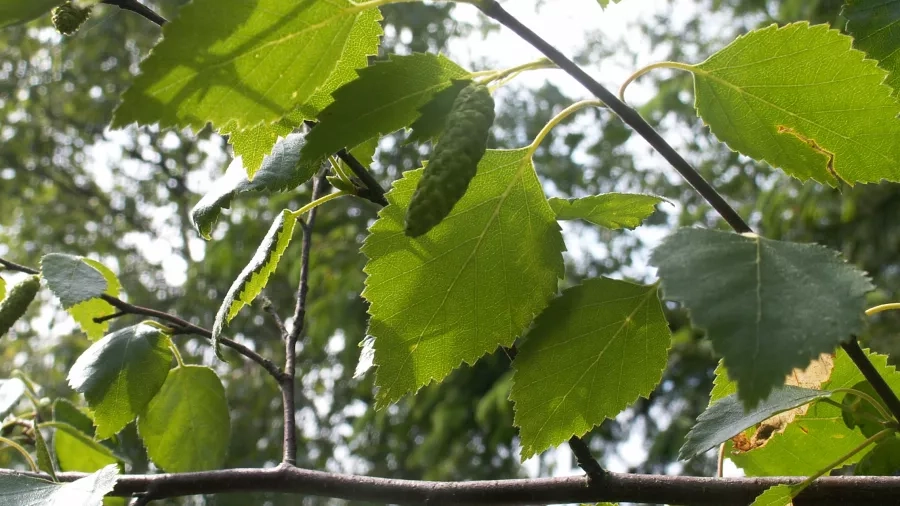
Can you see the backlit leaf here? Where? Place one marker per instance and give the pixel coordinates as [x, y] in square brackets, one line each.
[256, 62]
[801, 99]
[471, 284]
[120, 373]
[186, 427]
[610, 210]
[875, 27]
[591, 353]
[252, 144]
[384, 98]
[2, 288]
[251, 281]
[883, 460]
[85, 312]
[18, 490]
[11, 390]
[284, 169]
[767, 306]
[779, 495]
[76, 451]
[44, 460]
[726, 418]
[16, 11]
[818, 437]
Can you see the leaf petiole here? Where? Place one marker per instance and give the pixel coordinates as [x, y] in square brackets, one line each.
[658, 65]
[559, 118]
[316, 203]
[23, 451]
[339, 171]
[866, 397]
[882, 308]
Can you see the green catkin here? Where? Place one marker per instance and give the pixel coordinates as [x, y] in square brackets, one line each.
[68, 18]
[454, 161]
[16, 302]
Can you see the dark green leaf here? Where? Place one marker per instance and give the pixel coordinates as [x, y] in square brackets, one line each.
[875, 26]
[44, 460]
[17, 490]
[71, 279]
[251, 281]
[16, 304]
[727, 417]
[610, 210]
[120, 373]
[859, 412]
[595, 350]
[384, 98]
[883, 460]
[768, 306]
[186, 427]
[284, 169]
[433, 114]
[70, 414]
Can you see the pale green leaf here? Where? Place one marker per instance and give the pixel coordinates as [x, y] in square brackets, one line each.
[120, 373]
[254, 143]
[11, 390]
[605, 3]
[16, 303]
[433, 114]
[17, 490]
[801, 99]
[2, 288]
[883, 460]
[284, 169]
[13, 12]
[726, 418]
[767, 306]
[594, 351]
[77, 451]
[186, 427]
[72, 279]
[818, 437]
[779, 495]
[722, 386]
[471, 284]
[85, 312]
[875, 27]
[256, 62]
[384, 98]
[251, 281]
[610, 210]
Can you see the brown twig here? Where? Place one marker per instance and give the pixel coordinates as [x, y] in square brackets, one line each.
[138, 8]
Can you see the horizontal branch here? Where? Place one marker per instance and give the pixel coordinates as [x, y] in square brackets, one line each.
[687, 490]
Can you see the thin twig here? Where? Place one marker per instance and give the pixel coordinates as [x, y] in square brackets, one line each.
[871, 374]
[270, 310]
[288, 381]
[585, 459]
[493, 9]
[374, 193]
[612, 487]
[117, 314]
[12, 266]
[138, 8]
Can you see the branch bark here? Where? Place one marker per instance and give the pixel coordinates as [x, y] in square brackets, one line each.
[613, 487]
[138, 8]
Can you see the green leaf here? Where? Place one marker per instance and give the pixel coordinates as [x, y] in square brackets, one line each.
[779, 495]
[605, 3]
[860, 413]
[186, 427]
[71, 279]
[594, 351]
[16, 304]
[2, 288]
[120, 373]
[284, 169]
[254, 143]
[18, 490]
[883, 460]
[13, 12]
[251, 281]
[11, 390]
[70, 414]
[610, 210]
[727, 418]
[384, 98]
[44, 460]
[471, 284]
[801, 99]
[76, 451]
[818, 437]
[875, 27]
[261, 59]
[433, 114]
[722, 386]
[85, 312]
[767, 306]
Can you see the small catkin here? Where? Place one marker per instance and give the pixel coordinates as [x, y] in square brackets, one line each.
[454, 161]
[16, 302]
[68, 18]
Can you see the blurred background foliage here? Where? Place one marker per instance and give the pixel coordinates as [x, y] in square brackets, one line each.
[68, 185]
